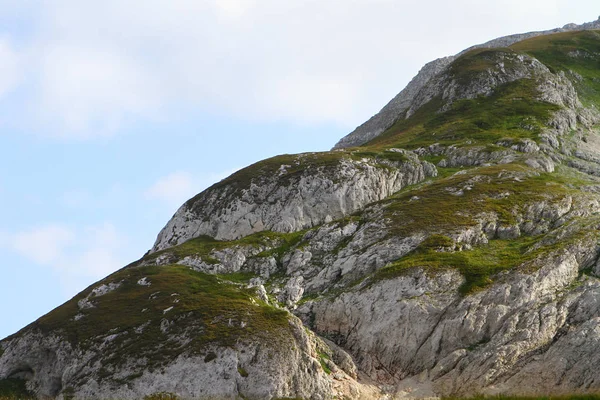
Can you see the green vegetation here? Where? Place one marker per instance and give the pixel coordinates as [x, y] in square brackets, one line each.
[454, 202]
[69, 393]
[296, 164]
[394, 156]
[218, 312]
[243, 373]
[276, 243]
[161, 396]
[466, 68]
[477, 265]
[288, 241]
[237, 277]
[480, 265]
[203, 245]
[512, 111]
[323, 358]
[436, 242]
[13, 389]
[577, 52]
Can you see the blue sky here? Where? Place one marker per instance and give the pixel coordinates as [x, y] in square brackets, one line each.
[113, 113]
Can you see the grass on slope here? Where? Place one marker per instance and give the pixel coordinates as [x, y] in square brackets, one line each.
[132, 318]
[436, 209]
[511, 112]
[570, 51]
[295, 164]
[270, 243]
[480, 265]
[454, 202]
[477, 265]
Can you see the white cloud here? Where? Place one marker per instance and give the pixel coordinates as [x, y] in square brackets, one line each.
[234, 9]
[99, 253]
[92, 89]
[9, 67]
[79, 256]
[174, 189]
[93, 65]
[44, 245]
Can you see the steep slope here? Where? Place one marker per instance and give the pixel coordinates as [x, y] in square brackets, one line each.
[397, 108]
[457, 252]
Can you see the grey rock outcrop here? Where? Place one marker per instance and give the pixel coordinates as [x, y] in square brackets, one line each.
[495, 341]
[250, 369]
[287, 204]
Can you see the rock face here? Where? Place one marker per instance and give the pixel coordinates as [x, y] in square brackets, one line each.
[251, 369]
[290, 201]
[455, 253]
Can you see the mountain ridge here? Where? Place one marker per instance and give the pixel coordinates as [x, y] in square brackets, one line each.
[390, 113]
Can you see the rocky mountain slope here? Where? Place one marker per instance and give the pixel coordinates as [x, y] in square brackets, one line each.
[456, 252]
[399, 106]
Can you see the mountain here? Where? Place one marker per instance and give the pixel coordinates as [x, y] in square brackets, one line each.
[401, 105]
[452, 250]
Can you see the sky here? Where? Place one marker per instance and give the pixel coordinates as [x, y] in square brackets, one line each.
[113, 113]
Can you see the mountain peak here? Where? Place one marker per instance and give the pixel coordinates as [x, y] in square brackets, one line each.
[395, 109]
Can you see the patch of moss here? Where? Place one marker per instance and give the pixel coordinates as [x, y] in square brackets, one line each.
[243, 373]
[161, 396]
[323, 358]
[393, 156]
[203, 246]
[69, 393]
[209, 357]
[436, 242]
[237, 277]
